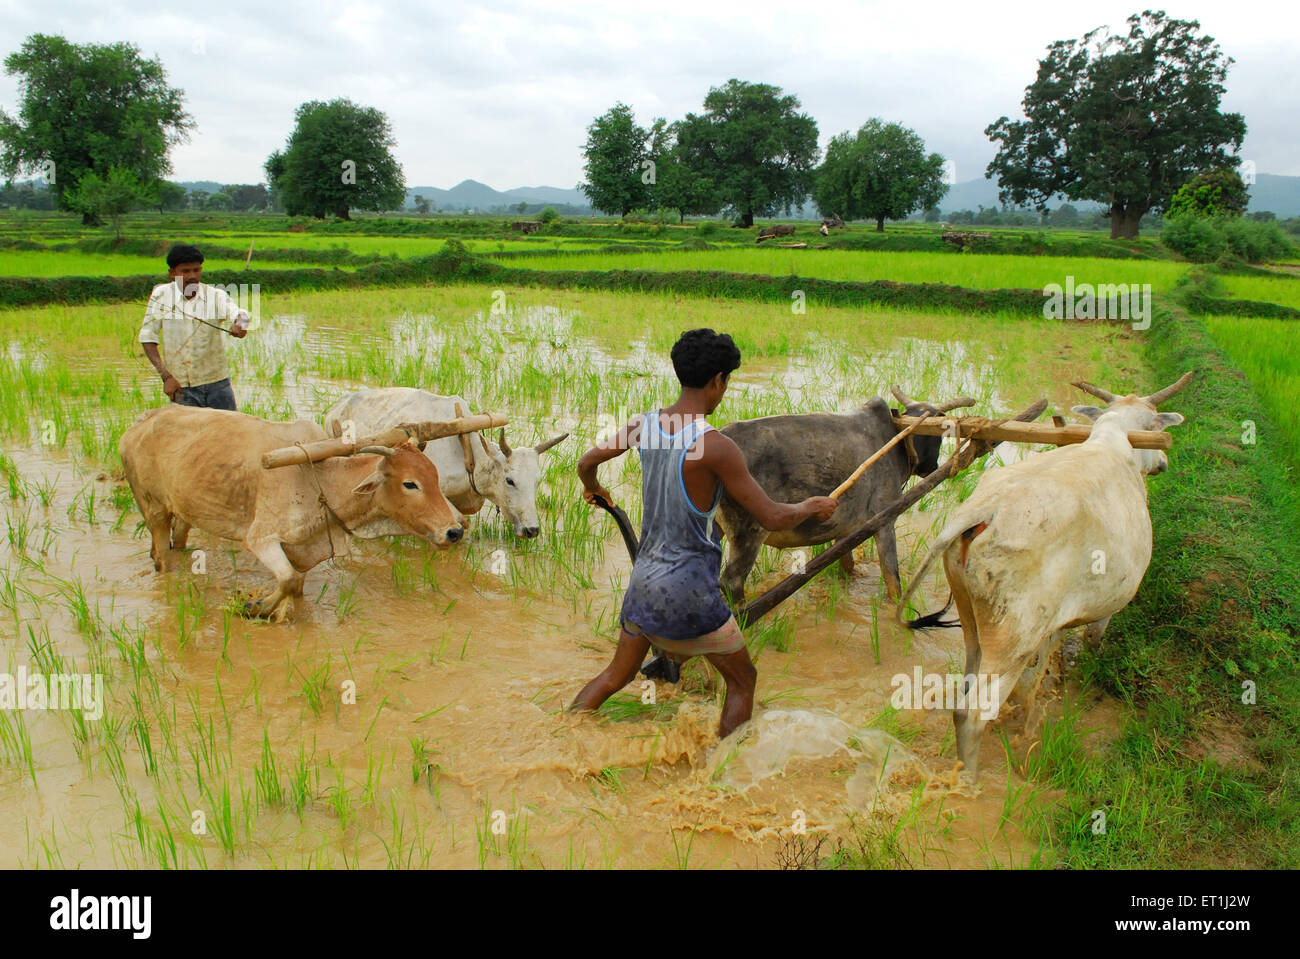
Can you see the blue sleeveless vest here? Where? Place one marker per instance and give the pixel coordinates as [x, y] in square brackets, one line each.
[674, 591]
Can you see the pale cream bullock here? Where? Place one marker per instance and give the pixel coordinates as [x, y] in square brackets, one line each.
[1059, 539]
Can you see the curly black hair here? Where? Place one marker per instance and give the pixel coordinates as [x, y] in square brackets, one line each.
[183, 253]
[700, 355]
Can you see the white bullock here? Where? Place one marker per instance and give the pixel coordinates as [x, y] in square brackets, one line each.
[1059, 539]
[504, 476]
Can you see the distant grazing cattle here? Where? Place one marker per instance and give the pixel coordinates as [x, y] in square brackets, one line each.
[502, 475]
[809, 454]
[189, 466]
[1059, 539]
[778, 229]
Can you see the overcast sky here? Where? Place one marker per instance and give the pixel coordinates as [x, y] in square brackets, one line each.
[503, 92]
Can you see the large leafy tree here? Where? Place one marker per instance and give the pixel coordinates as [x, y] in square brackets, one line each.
[617, 179]
[754, 145]
[88, 108]
[338, 158]
[1120, 120]
[881, 172]
[676, 186]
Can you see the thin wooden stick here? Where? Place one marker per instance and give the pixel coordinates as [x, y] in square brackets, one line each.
[866, 464]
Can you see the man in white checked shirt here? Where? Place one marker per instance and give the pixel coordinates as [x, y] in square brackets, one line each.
[188, 319]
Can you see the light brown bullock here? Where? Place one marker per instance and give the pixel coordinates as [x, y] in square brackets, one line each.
[200, 467]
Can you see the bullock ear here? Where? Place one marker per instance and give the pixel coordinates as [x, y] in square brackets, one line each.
[1091, 412]
[370, 484]
[1168, 419]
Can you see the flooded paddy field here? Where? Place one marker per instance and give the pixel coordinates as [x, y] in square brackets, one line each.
[413, 712]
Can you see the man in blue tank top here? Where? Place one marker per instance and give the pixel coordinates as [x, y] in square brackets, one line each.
[674, 601]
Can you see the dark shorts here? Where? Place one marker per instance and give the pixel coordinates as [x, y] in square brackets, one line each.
[215, 396]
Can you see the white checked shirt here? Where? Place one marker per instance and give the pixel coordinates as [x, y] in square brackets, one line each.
[193, 352]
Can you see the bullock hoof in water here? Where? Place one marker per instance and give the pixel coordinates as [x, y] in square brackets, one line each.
[272, 612]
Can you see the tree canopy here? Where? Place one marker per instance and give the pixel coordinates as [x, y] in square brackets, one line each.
[338, 158]
[880, 173]
[87, 108]
[617, 179]
[1120, 120]
[755, 147]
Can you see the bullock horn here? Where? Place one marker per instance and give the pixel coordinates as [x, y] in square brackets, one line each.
[505, 447]
[955, 404]
[543, 447]
[383, 451]
[486, 449]
[1103, 395]
[1155, 399]
[900, 395]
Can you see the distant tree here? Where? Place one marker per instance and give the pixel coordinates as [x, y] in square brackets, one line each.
[1123, 121]
[932, 215]
[247, 196]
[549, 215]
[521, 207]
[962, 216]
[617, 179]
[1263, 216]
[86, 109]
[754, 146]
[421, 204]
[338, 158]
[109, 197]
[169, 196]
[1065, 215]
[1220, 192]
[880, 173]
[198, 198]
[219, 202]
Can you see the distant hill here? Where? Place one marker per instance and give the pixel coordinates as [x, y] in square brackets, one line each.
[1280, 194]
[472, 195]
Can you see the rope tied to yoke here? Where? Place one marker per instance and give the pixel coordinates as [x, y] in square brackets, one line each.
[320, 494]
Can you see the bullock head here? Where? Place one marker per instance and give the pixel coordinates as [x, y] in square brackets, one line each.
[927, 447]
[1138, 413]
[403, 489]
[510, 477]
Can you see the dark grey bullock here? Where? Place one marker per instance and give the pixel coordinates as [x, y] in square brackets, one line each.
[809, 454]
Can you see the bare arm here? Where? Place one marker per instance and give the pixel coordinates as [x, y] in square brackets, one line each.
[722, 457]
[605, 450]
[170, 383]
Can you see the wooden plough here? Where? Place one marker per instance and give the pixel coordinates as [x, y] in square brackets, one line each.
[436, 429]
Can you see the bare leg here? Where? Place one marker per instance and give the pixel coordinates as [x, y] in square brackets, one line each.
[621, 671]
[738, 672]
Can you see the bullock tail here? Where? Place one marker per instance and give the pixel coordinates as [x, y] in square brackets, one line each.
[971, 523]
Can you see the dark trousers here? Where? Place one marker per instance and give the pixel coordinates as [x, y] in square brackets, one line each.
[215, 396]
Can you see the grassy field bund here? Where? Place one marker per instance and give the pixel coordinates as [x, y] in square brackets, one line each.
[465, 659]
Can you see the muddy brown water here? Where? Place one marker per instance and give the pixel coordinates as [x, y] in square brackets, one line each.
[457, 750]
